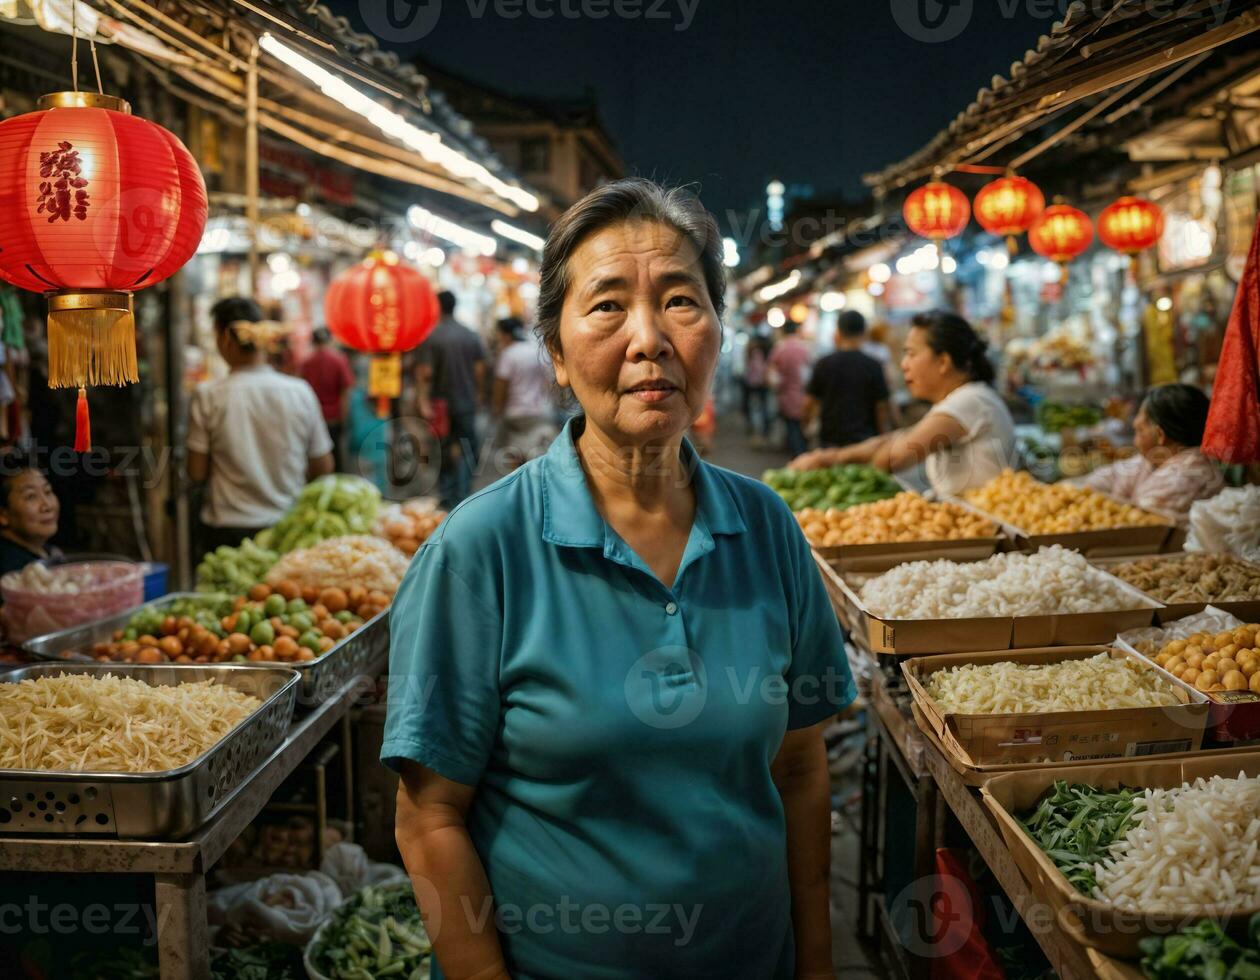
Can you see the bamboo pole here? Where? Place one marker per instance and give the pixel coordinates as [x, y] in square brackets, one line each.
[1092, 113]
[251, 165]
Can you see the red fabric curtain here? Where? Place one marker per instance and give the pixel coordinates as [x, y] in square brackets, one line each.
[1233, 426]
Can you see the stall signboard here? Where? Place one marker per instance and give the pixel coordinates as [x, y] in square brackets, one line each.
[288, 172]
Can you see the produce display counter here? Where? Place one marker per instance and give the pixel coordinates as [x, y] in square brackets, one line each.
[894, 754]
[178, 868]
[1068, 958]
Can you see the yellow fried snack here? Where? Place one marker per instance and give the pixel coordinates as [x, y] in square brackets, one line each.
[1054, 508]
[905, 517]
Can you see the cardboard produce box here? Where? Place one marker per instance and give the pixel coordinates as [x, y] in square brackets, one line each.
[1248, 610]
[883, 556]
[982, 743]
[977, 776]
[1141, 540]
[1109, 969]
[903, 637]
[1233, 716]
[1096, 924]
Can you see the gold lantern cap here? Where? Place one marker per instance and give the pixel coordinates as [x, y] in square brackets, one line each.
[83, 100]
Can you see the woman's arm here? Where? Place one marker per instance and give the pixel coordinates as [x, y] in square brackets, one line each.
[906, 447]
[800, 774]
[860, 452]
[445, 868]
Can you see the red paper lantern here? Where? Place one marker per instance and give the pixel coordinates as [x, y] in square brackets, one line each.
[1061, 233]
[96, 204]
[937, 211]
[1130, 225]
[385, 308]
[1008, 206]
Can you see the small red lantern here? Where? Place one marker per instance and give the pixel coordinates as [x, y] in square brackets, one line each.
[937, 211]
[1061, 233]
[96, 204]
[1008, 206]
[1130, 225]
[385, 308]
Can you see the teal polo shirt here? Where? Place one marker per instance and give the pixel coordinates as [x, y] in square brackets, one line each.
[620, 733]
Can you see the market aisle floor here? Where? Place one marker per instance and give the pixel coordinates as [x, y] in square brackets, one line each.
[731, 449]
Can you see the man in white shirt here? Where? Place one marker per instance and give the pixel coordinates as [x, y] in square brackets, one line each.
[522, 402]
[257, 436]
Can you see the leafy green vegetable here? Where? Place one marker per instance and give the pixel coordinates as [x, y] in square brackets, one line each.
[1078, 825]
[1203, 951]
[378, 933]
[1054, 417]
[838, 486]
[326, 508]
[268, 961]
[234, 570]
[123, 963]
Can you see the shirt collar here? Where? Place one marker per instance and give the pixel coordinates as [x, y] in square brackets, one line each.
[569, 514]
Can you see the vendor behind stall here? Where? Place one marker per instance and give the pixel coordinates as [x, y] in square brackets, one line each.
[1169, 473]
[968, 435]
[28, 515]
[256, 436]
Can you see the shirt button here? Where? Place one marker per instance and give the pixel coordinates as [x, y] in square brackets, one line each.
[671, 607]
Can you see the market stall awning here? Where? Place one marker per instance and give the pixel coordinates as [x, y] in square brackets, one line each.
[321, 86]
[1120, 51]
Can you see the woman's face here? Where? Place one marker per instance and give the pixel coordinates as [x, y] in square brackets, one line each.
[1148, 438]
[639, 336]
[32, 510]
[925, 370]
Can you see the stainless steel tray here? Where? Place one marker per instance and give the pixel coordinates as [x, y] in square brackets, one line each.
[360, 656]
[153, 805]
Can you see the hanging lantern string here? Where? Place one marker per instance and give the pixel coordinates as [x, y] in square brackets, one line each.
[74, 44]
[100, 88]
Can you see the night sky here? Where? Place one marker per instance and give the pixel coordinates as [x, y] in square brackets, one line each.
[810, 91]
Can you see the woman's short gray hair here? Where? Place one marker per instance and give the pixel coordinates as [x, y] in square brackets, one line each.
[630, 199]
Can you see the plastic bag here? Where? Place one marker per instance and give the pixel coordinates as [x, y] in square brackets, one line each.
[288, 908]
[1149, 639]
[348, 865]
[1227, 523]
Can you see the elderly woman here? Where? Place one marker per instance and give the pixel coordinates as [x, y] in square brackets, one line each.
[610, 669]
[1168, 474]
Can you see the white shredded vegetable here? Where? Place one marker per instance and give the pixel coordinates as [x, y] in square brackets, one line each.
[1193, 851]
[107, 723]
[1094, 684]
[1054, 580]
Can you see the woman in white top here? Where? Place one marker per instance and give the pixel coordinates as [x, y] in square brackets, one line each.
[522, 400]
[967, 437]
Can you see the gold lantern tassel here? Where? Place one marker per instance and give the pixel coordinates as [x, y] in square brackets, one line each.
[91, 340]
